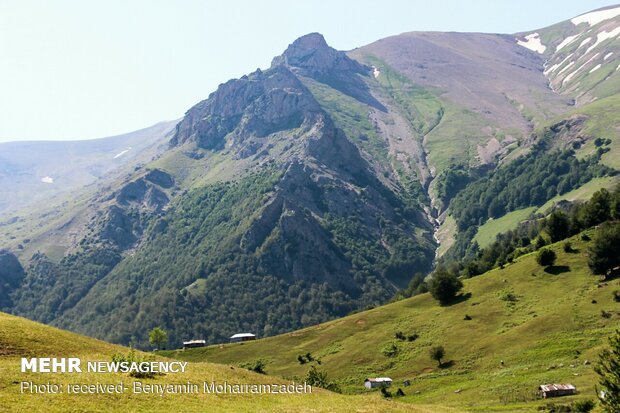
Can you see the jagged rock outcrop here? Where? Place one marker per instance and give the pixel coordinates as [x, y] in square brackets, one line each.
[311, 56]
[252, 107]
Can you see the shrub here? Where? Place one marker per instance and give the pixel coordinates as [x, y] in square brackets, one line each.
[258, 366]
[437, 353]
[545, 257]
[444, 286]
[386, 393]
[568, 247]
[390, 350]
[584, 406]
[318, 378]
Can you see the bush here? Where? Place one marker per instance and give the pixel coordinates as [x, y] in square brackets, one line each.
[390, 350]
[258, 366]
[545, 257]
[437, 353]
[568, 247]
[318, 378]
[444, 286]
[584, 406]
[386, 393]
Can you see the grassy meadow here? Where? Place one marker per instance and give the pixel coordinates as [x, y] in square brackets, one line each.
[528, 326]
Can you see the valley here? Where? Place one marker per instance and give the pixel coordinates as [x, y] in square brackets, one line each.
[301, 200]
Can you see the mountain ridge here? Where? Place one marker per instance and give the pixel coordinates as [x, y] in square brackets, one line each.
[313, 188]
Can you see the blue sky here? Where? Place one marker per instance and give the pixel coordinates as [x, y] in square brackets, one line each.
[85, 69]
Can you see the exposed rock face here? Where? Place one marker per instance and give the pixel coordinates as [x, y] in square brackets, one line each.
[11, 276]
[310, 56]
[253, 106]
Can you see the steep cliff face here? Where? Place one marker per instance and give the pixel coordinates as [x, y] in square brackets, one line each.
[252, 107]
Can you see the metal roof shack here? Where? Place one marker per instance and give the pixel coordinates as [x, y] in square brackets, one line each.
[235, 338]
[194, 343]
[372, 383]
[556, 390]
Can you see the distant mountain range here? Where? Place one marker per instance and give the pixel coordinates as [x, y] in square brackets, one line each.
[313, 188]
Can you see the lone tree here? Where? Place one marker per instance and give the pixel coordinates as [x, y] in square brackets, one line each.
[545, 257]
[444, 286]
[605, 250]
[608, 368]
[437, 353]
[158, 337]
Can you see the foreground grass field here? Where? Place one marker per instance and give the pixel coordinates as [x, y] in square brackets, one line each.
[23, 338]
[528, 326]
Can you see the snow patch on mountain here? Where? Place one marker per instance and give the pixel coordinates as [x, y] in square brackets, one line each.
[47, 180]
[118, 155]
[566, 42]
[586, 41]
[595, 68]
[532, 42]
[596, 17]
[602, 36]
[608, 55]
[565, 67]
[375, 72]
[569, 76]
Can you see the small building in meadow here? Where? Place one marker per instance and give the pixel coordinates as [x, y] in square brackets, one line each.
[556, 390]
[236, 338]
[372, 383]
[194, 343]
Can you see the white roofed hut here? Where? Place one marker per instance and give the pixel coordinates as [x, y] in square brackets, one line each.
[556, 390]
[194, 343]
[239, 337]
[377, 382]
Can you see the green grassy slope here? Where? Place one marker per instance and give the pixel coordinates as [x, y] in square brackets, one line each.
[547, 335]
[489, 230]
[20, 337]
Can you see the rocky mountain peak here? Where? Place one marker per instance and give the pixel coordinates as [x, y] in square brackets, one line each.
[311, 56]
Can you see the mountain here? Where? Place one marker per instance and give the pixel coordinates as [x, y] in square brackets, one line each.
[33, 171]
[316, 187]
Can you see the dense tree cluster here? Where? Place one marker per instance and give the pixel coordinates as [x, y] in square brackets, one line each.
[533, 235]
[527, 181]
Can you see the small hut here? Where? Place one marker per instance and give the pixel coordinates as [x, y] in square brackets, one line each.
[556, 390]
[194, 344]
[377, 382]
[236, 338]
